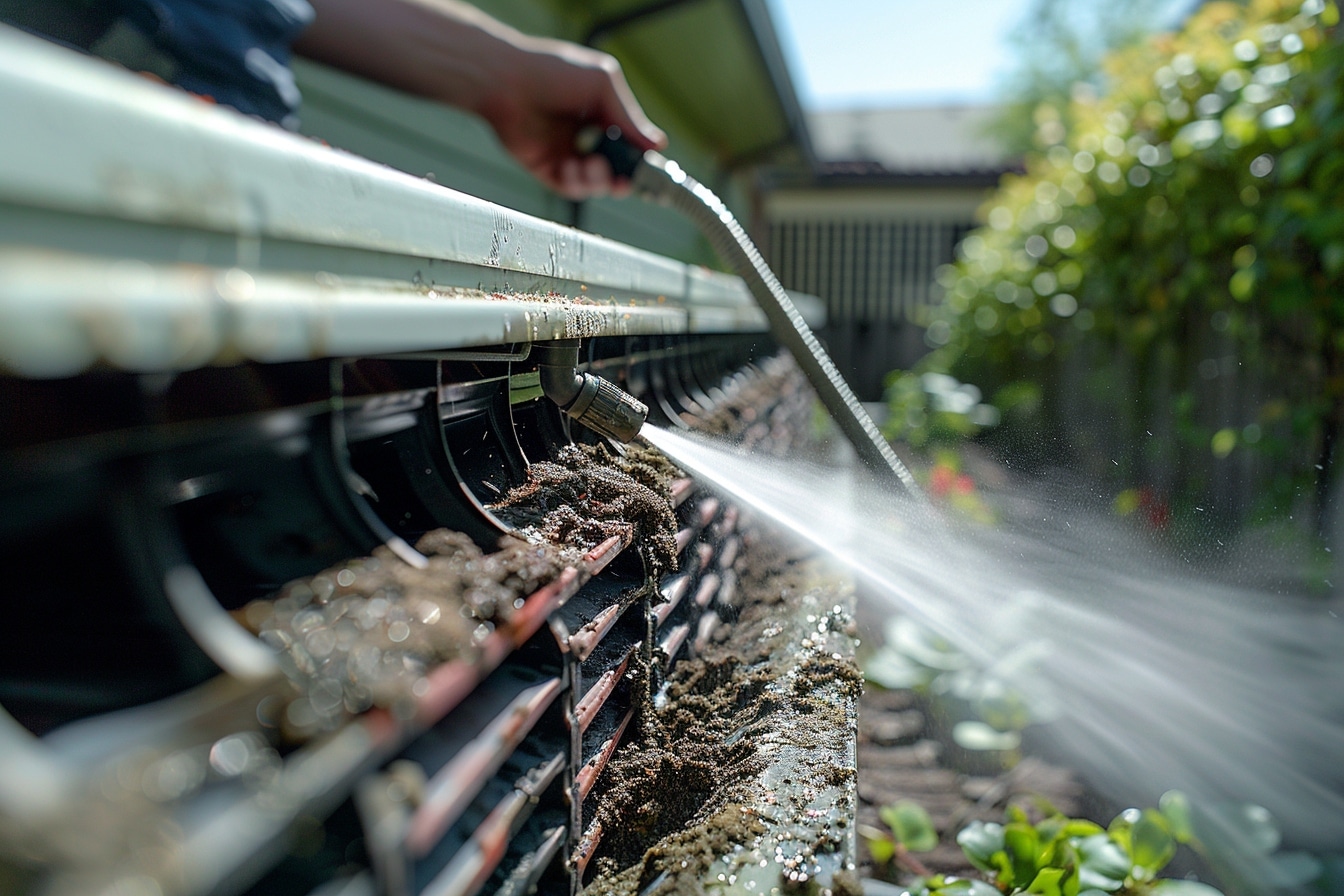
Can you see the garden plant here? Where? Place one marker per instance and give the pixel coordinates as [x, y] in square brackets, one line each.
[1155, 299]
[1061, 856]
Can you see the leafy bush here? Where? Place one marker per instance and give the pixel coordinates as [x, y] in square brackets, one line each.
[1061, 856]
[1167, 270]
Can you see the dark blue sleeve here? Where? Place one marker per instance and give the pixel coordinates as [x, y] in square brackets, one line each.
[235, 51]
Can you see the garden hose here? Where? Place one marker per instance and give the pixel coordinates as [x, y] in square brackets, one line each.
[655, 177]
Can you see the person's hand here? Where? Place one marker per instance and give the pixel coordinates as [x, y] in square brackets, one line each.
[536, 93]
[554, 91]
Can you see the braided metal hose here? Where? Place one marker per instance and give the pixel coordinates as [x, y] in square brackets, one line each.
[658, 178]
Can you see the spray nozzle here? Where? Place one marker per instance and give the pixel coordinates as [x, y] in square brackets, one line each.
[623, 156]
[598, 404]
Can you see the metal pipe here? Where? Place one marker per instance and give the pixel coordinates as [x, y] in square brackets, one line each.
[598, 404]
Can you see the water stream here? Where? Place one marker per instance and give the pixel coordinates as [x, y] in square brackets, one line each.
[1155, 675]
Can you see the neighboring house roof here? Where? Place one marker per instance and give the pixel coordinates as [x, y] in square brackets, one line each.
[946, 143]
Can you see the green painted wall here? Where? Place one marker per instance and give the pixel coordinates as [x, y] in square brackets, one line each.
[461, 152]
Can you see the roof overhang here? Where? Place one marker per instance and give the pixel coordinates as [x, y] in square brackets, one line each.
[716, 67]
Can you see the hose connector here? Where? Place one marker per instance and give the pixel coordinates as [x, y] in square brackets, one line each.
[598, 404]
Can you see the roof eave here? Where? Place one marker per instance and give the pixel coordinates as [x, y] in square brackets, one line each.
[761, 25]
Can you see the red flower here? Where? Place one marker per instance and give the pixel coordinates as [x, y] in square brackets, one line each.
[941, 480]
[1155, 510]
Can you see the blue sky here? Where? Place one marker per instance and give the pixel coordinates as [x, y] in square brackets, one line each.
[871, 52]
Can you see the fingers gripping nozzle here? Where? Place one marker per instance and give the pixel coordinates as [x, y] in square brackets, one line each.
[598, 404]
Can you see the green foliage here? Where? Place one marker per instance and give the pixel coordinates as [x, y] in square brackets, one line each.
[908, 829]
[980, 714]
[1059, 46]
[910, 825]
[934, 409]
[1061, 856]
[1170, 262]
[1175, 808]
[1252, 832]
[951, 886]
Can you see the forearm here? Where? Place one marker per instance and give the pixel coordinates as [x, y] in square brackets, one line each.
[441, 49]
[535, 92]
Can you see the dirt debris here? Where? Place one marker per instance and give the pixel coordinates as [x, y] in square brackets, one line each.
[588, 494]
[680, 785]
[648, 466]
[734, 772]
[363, 632]
[769, 408]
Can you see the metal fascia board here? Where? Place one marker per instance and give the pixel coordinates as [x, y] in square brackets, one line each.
[60, 314]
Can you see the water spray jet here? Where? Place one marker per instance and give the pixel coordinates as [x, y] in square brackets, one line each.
[1157, 678]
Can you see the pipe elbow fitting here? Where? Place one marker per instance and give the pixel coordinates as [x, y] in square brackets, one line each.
[598, 404]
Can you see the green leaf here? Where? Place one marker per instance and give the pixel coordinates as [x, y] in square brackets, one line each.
[910, 825]
[980, 841]
[973, 735]
[1094, 882]
[1081, 827]
[1103, 863]
[1024, 848]
[908, 638]
[882, 849]
[1047, 882]
[1254, 829]
[1121, 826]
[1071, 883]
[1051, 829]
[1097, 883]
[1152, 845]
[1173, 887]
[1175, 807]
[965, 886]
[1004, 709]
[894, 671]
[880, 846]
